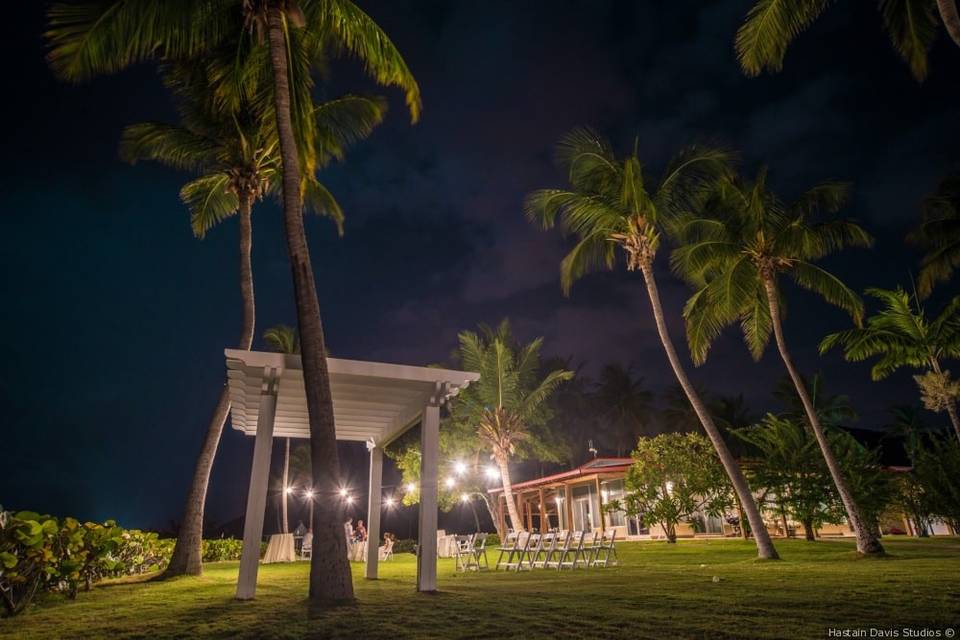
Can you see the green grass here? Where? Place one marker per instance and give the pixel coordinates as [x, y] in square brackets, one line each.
[659, 591]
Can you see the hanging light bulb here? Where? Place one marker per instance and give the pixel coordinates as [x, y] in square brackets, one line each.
[343, 492]
[492, 473]
[411, 487]
[459, 468]
[465, 497]
[451, 483]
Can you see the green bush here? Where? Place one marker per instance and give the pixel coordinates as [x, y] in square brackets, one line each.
[221, 549]
[40, 552]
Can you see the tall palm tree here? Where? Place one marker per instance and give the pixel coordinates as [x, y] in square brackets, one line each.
[508, 405]
[735, 255]
[234, 156]
[283, 339]
[771, 25]
[612, 206]
[900, 335]
[95, 37]
[939, 235]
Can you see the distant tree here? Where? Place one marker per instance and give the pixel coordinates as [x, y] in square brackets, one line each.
[624, 407]
[771, 25]
[834, 410]
[735, 256]
[938, 234]
[788, 467]
[938, 470]
[900, 335]
[507, 407]
[674, 477]
[873, 487]
[614, 208]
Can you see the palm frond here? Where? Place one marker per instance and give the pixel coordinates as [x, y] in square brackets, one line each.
[173, 146]
[829, 287]
[352, 30]
[912, 26]
[210, 201]
[317, 198]
[769, 28]
[344, 121]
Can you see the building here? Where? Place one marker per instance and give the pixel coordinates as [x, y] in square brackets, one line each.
[576, 500]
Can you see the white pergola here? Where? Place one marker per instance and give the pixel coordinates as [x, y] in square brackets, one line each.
[373, 402]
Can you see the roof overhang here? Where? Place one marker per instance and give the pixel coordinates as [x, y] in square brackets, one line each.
[372, 401]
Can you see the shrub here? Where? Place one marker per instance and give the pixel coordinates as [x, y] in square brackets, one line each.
[221, 549]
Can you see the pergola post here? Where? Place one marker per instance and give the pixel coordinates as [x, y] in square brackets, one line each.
[257, 494]
[373, 510]
[427, 543]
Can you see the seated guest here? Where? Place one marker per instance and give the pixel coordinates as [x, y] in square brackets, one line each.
[361, 532]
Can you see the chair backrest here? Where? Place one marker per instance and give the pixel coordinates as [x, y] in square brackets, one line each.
[535, 542]
[576, 539]
[609, 536]
[480, 541]
[548, 541]
[307, 543]
[464, 544]
[511, 541]
[523, 539]
[388, 545]
[563, 540]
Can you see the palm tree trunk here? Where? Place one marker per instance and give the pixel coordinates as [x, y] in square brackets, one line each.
[283, 491]
[515, 520]
[867, 543]
[765, 548]
[808, 532]
[951, 18]
[187, 558]
[330, 578]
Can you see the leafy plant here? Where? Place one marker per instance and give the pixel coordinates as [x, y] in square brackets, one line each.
[674, 477]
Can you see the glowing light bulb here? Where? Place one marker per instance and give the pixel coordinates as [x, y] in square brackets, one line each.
[288, 490]
[343, 493]
[465, 497]
[349, 499]
[389, 502]
[492, 473]
[411, 487]
[459, 468]
[309, 494]
[451, 483]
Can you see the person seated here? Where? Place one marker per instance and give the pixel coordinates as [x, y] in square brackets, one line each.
[361, 532]
[386, 549]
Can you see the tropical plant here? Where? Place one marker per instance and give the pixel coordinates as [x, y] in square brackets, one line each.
[94, 37]
[938, 234]
[833, 410]
[507, 407]
[900, 335]
[912, 25]
[734, 256]
[674, 478]
[612, 206]
[789, 468]
[938, 471]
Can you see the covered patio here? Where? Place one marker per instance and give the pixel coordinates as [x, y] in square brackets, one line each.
[373, 402]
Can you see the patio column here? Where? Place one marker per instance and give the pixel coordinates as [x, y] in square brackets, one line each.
[544, 520]
[373, 510]
[427, 543]
[257, 493]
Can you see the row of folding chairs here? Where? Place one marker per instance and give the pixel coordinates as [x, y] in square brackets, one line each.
[470, 552]
[557, 550]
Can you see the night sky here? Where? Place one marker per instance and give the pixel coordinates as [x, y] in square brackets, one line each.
[114, 317]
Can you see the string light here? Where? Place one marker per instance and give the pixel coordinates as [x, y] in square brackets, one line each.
[451, 483]
[459, 468]
[349, 499]
[465, 497]
[411, 487]
[389, 502]
[309, 494]
[343, 493]
[288, 490]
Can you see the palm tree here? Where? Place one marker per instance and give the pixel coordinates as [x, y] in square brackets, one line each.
[283, 339]
[508, 405]
[734, 257]
[833, 410]
[771, 25]
[234, 155]
[939, 235]
[900, 335]
[610, 206]
[624, 406]
[91, 38]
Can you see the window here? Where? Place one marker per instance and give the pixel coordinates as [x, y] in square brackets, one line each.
[610, 491]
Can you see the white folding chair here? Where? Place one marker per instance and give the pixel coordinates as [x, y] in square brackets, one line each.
[480, 551]
[306, 547]
[606, 548]
[548, 544]
[516, 555]
[533, 550]
[561, 543]
[386, 550]
[573, 551]
[463, 553]
[591, 545]
[507, 547]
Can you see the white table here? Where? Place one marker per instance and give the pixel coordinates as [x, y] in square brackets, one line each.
[280, 549]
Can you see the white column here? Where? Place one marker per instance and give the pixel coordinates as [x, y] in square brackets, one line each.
[257, 496]
[373, 510]
[427, 543]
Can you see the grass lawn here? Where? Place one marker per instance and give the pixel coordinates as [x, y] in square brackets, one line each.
[658, 591]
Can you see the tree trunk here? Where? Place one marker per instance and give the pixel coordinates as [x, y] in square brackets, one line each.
[330, 578]
[187, 553]
[951, 18]
[808, 532]
[671, 530]
[515, 520]
[494, 512]
[283, 491]
[476, 518]
[867, 543]
[765, 548]
[952, 412]
[744, 529]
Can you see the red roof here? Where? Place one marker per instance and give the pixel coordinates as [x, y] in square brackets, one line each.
[597, 465]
